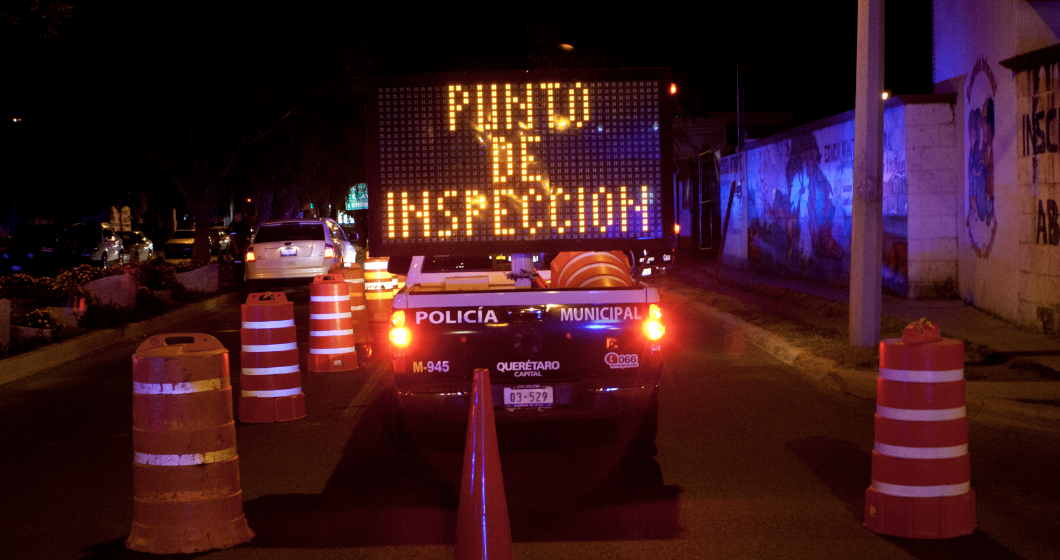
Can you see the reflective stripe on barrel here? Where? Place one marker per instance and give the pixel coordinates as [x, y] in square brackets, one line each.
[186, 459]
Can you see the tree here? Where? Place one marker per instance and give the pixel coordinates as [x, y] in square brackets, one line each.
[41, 18]
[219, 86]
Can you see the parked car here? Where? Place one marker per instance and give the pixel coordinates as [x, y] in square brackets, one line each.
[136, 247]
[297, 249]
[219, 242]
[180, 244]
[90, 243]
[31, 250]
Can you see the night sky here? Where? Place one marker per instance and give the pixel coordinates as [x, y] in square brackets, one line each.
[89, 98]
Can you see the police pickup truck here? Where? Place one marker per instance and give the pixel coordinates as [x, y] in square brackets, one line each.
[580, 339]
[576, 163]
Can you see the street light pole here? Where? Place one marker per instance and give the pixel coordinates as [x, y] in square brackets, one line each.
[866, 247]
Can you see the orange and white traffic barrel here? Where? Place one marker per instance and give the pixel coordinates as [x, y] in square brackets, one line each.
[355, 282]
[331, 346]
[187, 496]
[380, 287]
[270, 380]
[921, 469]
[591, 269]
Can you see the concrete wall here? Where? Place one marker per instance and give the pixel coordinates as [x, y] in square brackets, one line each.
[934, 177]
[797, 201]
[1038, 172]
[996, 212]
[795, 210]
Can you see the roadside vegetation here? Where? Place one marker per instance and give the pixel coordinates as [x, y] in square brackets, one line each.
[36, 301]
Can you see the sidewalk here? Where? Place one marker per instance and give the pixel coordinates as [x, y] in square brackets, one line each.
[1011, 372]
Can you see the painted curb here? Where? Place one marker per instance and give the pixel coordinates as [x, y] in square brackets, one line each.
[863, 383]
[53, 355]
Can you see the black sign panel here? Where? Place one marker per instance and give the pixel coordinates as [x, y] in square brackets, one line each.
[520, 162]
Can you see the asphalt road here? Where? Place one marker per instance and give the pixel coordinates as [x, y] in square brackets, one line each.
[752, 462]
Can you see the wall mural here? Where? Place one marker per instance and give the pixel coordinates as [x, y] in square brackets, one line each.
[800, 205]
[981, 222]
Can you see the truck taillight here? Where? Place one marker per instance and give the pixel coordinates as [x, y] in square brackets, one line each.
[653, 327]
[399, 335]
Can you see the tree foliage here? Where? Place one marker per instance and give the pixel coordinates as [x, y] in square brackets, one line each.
[41, 18]
[239, 113]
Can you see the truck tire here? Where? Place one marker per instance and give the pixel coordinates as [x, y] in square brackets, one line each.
[643, 440]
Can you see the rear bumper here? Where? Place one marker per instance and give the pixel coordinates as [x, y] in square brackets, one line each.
[573, 401]
[253, 272]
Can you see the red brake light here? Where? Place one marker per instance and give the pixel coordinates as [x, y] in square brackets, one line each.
[329, 251]
[399, 336]
[653, 327]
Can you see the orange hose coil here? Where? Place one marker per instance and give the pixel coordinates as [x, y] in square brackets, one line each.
[270, 381]
[331, 345]
[187, 496]
[591, 269]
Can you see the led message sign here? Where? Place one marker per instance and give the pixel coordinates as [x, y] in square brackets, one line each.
[520, 162]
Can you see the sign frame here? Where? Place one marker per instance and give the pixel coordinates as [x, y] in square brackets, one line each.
[379, 244]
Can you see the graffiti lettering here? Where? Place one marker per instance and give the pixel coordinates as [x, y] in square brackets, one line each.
[1048, 223]
[1039, 134]
[840, 151]
[1040, 130]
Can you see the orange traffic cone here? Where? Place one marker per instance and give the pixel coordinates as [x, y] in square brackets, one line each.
[270, 381]
[482, 529]
[187, 496]
[921, 473]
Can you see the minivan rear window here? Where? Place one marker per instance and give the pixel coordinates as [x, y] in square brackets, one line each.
[290, 231]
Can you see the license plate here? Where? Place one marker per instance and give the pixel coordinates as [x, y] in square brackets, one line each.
[528, 396]
[288, 251]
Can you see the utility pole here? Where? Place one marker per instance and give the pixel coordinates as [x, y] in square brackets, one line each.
[866, 247]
